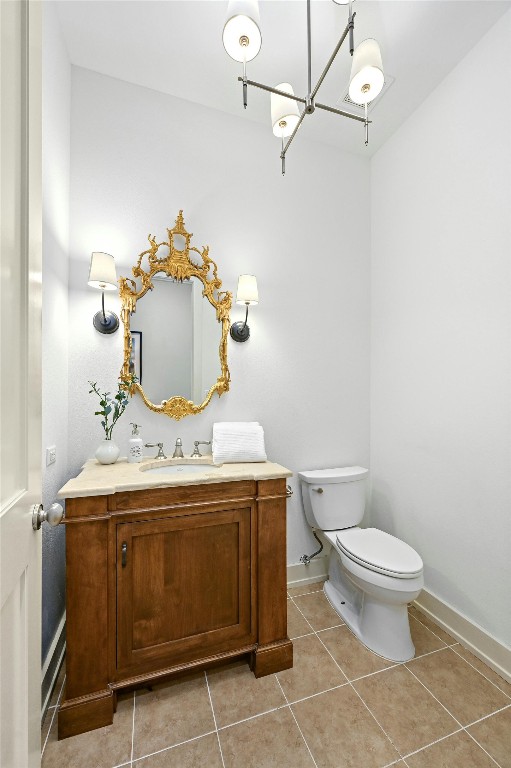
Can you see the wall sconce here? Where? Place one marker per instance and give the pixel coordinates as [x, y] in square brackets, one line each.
[102, 276]
[246, 294]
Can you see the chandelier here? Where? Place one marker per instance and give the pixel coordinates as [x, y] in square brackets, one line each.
[242, 41]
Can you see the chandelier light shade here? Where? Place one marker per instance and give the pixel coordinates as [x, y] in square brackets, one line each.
[366, 80]
[242, 33]
[284, 112]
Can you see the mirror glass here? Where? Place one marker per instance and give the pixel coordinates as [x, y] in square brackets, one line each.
[182, 358]
[176, 322]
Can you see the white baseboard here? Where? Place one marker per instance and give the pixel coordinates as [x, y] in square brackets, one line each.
[298, 574]
[473, 637]
[51, 668]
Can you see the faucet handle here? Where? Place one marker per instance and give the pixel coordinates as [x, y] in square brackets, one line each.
[196, 444]
[160, 454]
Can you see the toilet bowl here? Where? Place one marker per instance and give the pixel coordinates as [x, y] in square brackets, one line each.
[372, 576]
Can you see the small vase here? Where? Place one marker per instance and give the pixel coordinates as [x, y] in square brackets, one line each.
[107, 452]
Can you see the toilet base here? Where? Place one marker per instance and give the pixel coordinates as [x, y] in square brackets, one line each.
[382, 627]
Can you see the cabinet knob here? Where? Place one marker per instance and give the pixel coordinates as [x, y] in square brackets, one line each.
[124, 554]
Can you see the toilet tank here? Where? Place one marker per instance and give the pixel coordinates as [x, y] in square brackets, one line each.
[333, 498]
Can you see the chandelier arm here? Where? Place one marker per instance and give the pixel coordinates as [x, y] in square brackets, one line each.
[274, 90]
[283, 153]
[332, 57]
[341, 112]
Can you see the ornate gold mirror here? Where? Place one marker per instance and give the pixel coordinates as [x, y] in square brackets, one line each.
[175, 340]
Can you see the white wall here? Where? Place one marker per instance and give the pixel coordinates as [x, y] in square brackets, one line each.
[441, 322]
[56, 161]
[138, 156]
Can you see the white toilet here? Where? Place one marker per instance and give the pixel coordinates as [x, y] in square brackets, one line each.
[372, 576]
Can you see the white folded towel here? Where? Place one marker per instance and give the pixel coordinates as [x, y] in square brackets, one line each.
[238, 441]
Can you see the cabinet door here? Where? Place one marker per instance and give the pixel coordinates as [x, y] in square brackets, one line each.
[183, 588]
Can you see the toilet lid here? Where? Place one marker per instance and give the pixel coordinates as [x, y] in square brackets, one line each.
[379, 551]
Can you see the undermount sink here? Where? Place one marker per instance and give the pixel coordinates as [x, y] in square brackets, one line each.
[173, 469]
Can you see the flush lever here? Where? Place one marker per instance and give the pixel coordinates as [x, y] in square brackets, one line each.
[318, 490]
[124, 554]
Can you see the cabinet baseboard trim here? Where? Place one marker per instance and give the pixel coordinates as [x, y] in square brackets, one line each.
[469, 634]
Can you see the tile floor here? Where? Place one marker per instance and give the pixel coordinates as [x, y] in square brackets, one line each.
[339, 707]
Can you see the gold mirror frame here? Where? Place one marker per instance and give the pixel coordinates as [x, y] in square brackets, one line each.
[179, 266]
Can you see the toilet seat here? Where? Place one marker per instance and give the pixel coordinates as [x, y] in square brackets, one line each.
[379, 551]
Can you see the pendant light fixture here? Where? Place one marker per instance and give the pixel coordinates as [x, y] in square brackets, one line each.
[242, 41]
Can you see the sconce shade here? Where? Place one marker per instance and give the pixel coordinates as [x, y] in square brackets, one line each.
[343, 2]
[242, 34]
[367, 78]
[247, 290]
[284, 111]
[102, 272]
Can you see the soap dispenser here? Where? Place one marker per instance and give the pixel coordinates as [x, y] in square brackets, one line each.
[135, 445]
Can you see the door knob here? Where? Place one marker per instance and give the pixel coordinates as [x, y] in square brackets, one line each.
[53, 516]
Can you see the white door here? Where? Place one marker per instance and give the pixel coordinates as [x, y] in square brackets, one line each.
[20, 383]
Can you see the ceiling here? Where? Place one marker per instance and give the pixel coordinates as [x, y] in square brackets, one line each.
[176, 47]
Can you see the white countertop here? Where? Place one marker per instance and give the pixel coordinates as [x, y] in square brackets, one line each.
[104, 479]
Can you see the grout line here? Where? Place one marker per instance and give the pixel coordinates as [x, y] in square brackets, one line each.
[432, 694]
[484, 750]
[297, 724]
[214, 718]
[486, 717]
[167, 749]
[432, 743]
[252, 717]
[479, 671]
[133, 727]
[313, 695]
[297, 637]
[356, 692]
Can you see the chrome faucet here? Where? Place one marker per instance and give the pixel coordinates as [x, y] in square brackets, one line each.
[160, 454]
[178, 450]
[196, 444]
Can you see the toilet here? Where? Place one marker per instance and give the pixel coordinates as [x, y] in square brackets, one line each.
[372, 576]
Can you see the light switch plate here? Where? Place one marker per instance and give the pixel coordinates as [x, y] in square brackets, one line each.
[51, 455]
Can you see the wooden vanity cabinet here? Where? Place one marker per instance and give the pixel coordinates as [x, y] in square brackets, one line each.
[167, 580]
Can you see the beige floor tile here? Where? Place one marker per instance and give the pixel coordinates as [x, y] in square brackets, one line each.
[354, 658]
[237, 694]
[101, 748]
[305, 590]
[423, 639]
[496, 679]
[318, 611]
[464, 692]
[439, 632]
[171, 713]
[457, 751]
[494, 735]
[341, 733]
[296, 624]
[406, 711]
[313, 670]
[194, 754]
[265, 742]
